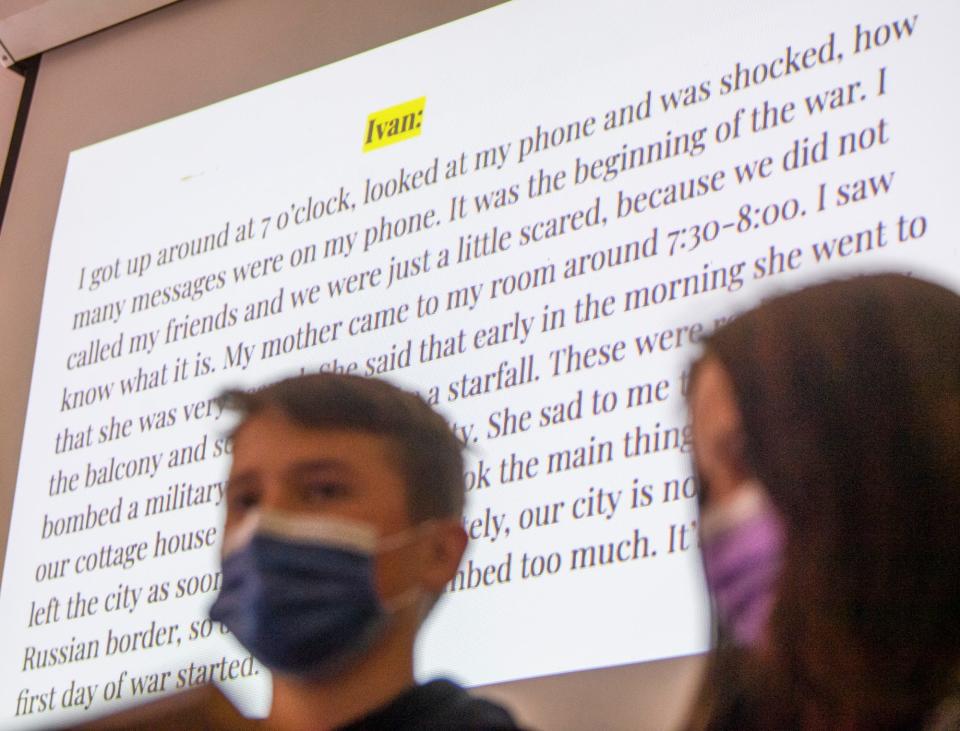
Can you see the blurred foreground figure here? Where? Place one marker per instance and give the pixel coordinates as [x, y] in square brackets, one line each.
[343, 527]
[827, 441]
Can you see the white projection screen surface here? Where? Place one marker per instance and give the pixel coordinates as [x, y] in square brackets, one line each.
[531, 216]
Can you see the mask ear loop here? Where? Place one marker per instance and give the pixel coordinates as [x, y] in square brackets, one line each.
[403, 600]
[241, 535]
[402, 537]
[750, 500]
[410, 596]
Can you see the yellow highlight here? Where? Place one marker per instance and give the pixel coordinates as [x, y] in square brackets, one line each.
[394, 124]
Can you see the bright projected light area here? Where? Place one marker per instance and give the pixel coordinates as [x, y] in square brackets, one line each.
[530, 216]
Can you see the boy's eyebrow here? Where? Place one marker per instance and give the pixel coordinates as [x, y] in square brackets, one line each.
[298, 469]
[326, 464]
[239, 479]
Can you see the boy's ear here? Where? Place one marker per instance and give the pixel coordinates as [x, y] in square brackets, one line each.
[443, 548]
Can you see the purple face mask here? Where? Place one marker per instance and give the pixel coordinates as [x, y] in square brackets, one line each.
[742, 542]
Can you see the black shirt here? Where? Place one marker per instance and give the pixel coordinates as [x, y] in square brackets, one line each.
[440, 704]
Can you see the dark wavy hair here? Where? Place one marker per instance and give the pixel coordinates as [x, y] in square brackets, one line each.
[849, 393]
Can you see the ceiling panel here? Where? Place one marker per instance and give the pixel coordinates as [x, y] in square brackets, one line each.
[29, 27]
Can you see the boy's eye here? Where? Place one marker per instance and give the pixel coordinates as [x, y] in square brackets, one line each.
[243, 499]
[325, 490]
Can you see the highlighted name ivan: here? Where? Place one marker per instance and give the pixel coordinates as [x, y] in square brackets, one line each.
[394, 124]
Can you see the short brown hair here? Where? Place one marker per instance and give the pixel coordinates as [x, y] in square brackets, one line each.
[428, 454]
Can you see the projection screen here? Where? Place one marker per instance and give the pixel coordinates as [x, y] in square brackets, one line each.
[530, 216]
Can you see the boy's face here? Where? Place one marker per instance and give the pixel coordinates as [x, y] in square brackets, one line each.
[279, 465]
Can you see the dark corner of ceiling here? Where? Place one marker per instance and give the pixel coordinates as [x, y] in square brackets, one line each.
[28, 69]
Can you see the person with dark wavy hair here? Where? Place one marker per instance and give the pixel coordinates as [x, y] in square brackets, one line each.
[826, 429]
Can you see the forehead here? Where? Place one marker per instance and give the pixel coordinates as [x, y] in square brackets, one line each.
[275, 450]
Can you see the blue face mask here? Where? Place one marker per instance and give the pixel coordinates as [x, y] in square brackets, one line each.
[299, 593]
